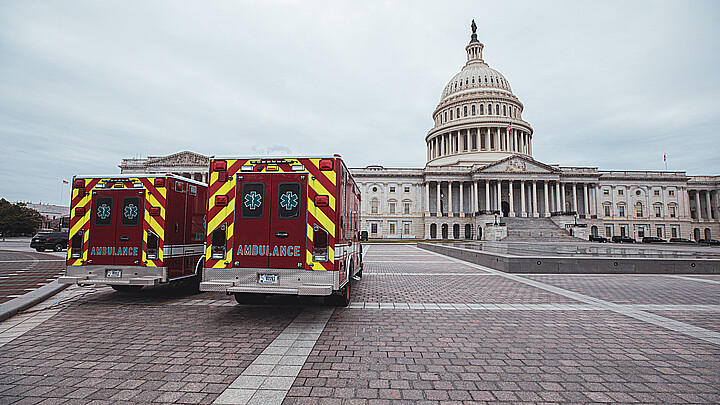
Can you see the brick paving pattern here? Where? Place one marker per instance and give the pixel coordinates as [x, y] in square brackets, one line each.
[22, 272]
[422, 329]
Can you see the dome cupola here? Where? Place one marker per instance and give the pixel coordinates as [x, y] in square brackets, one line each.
[478, 119]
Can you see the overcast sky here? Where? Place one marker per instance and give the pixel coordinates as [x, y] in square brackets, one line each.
[607, 84]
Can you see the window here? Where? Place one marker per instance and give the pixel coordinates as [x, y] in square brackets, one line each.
[504, 110]
[637, 192]
[289, 200]
[607, 210]
[620, 191]
[658, 211]
[406, 189]
[464, 142]
[131, 211]
[406, 207]
[674, 232]
[465, 111]
[638, 210]
[253, 200]
[671, 192]
[497, 109]
[608, 231]
[623, 230]
[472, 109]
[656, 192]
[392, 189]
[391, 228]
[621, 210]
[374, 189]
[406, 228]
[373, 228]
[489, 108]
[374, 206]
[458, 112]
[451, 114]
[672, 211]
[481, 109]
[482, 141]
[474, 141]
[392, 207]
[445, 116]
[659, 231]
[103, 211]
[606, 192]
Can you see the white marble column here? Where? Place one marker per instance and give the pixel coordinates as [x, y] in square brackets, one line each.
[574, 200]
[546, 185]
[708, 207]
[698, 211]
[427, 196]
[475, 197]
[450, 199]
[563, 190]
[487, 195]
[557, 196]
[462, 203]
[511, 199]
[534, 199]
[438, 211]
[499, 196]
[522, 199]
[586, 203]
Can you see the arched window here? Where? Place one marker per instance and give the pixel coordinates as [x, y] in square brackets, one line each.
[473, 80]
[458, 112]
[374, 203]
[472, 109]
[481, 109]
[445, 116]
[638, 209]
[485, 79]
[456, 231]
[497, 109]
[466, 81]
[504, 110]
[433, 231]
[465, 111]
[451, 114]
[391, 207]
[621, 210]
[489, 109]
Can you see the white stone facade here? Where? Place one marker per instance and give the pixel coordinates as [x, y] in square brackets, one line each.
[480, 167]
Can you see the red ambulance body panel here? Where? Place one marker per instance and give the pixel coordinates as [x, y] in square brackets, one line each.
[282, 226]
[135, 231]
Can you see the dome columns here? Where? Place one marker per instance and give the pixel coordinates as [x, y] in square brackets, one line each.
[481, 144]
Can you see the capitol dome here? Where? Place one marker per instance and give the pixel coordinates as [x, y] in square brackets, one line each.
[479, 119]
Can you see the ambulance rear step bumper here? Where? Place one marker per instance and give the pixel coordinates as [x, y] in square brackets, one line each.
[300, 290]
[147, 281]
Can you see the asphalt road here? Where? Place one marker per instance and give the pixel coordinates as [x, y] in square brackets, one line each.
[22, 269]
[422, 328]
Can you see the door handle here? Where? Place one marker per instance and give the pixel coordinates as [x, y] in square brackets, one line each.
[124, 238]
[282, 234]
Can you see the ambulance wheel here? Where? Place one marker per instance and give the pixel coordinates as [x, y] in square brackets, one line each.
[343, 300]
[58, 247]
[249, 298]
[194, 283]
[126, 288]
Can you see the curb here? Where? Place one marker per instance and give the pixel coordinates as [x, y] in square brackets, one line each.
[12, 307]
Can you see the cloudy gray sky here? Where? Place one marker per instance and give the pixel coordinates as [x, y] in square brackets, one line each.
[84, 84]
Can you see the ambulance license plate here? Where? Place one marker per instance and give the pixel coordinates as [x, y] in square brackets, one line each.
[113, 273]
[267, 278]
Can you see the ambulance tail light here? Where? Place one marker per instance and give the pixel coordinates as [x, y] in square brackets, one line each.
[160, 182]
[152, 244]
[322, 200]
[221, 200]
[80, 211]
[326, 164]
[76, 245]
[320, 244]
[217, 248]
[78, 183]
[219, 166]
[247, 168]
[297, 168]
[154, 211]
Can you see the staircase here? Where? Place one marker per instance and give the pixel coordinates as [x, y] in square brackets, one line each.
[535, 230]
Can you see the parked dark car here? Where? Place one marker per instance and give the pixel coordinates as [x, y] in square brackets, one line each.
[681, 240]
[653, 239]
[56, 241]
[709, 241]
[598, 238]
[363, 235]
[623, 239]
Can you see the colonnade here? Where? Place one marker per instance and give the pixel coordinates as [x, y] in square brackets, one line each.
[525, 198]
[479, 139]
[709, 198]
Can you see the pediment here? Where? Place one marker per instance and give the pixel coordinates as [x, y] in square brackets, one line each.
[185, 158]
[518, 164]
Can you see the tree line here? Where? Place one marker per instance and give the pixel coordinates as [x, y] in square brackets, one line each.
[17, 219]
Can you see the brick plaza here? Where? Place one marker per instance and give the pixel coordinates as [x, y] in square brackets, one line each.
[422, 328]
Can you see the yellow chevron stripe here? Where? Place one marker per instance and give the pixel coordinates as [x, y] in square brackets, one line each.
[331, 175]
[325, 222]
[321, 190]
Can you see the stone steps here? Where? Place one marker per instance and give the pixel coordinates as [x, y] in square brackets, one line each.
[535, 229]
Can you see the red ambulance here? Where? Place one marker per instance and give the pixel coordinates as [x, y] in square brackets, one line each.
[282, 226]
[131, 231]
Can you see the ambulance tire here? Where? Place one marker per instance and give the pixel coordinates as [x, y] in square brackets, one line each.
[249, 298]
[343, 299]
[126, 288]
[193, 286]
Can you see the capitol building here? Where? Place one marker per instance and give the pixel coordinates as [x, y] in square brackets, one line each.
[481, 181]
